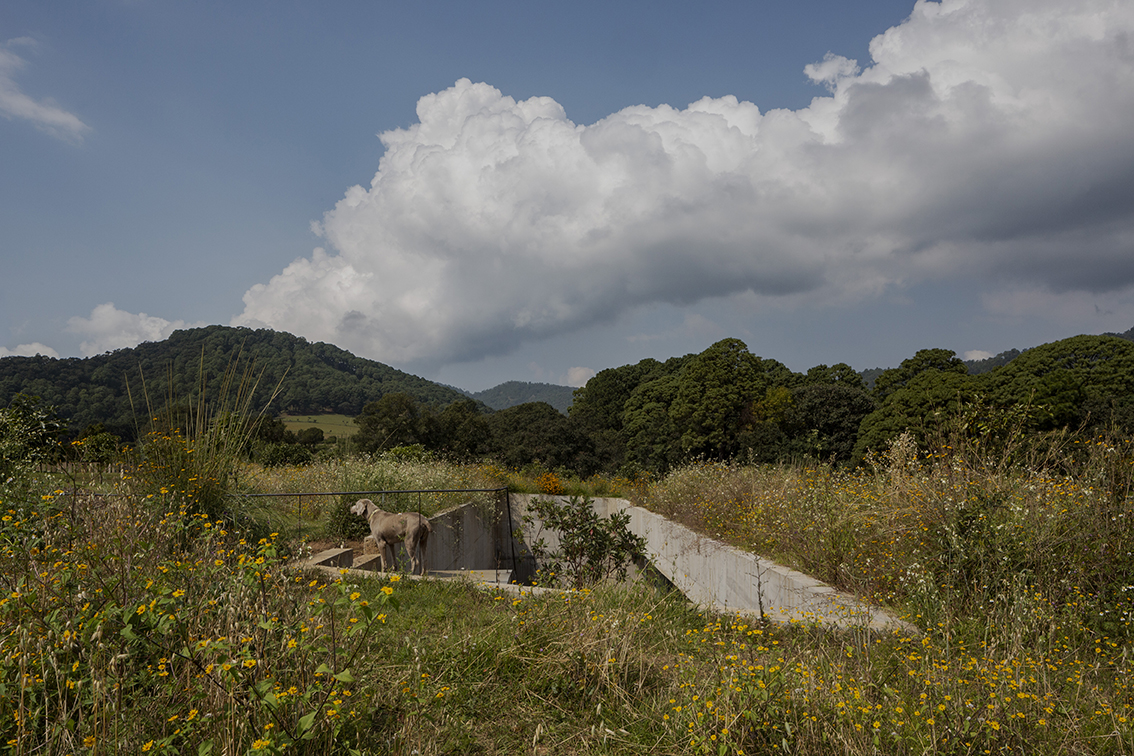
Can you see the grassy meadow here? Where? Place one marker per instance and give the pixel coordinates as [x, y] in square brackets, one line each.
[148, 614]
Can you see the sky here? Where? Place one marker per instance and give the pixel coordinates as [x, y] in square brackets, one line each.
[484, 192]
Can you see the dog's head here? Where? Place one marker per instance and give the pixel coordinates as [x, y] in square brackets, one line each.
[359, 507]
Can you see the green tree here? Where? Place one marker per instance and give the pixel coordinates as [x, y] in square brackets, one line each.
[271, 430]
[599, 407]
[1072, 382]
[591, 548]
[310, 437]
[715, 391]
[30, 431]
[536, 432]
[395, 420]
[920, 406]
[824, 419]
[653, 442]
[97, 445]
[942, 360]
[839, 373]
[465, 432]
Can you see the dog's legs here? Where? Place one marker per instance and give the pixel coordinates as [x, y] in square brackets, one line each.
[382, 546]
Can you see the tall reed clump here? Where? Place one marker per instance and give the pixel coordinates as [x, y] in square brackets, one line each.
[193, 445]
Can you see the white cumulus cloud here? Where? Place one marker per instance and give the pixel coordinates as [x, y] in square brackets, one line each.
[578, 376]
[29, 350]
[986, 140]
[831, 70]
[14, 103]
[109, 328]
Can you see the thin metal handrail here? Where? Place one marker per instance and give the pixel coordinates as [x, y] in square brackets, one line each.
[371, 493]
[419, 491]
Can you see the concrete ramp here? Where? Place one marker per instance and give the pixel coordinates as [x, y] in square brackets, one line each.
[718, 576]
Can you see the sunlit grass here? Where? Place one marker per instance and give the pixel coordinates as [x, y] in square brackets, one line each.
[132, 623]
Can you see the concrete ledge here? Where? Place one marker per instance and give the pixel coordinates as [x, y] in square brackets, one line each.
[369, 562]
[710, 573]
[333, 558]
[338, 562]
[728, 580]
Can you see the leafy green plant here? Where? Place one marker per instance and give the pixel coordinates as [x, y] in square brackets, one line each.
[30, 434]
[590, 548]
[129, 629]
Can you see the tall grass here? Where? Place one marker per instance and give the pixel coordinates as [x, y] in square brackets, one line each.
[1021, 577]
[193, 445]
[129, 628]
[941, 533]
[134, 621]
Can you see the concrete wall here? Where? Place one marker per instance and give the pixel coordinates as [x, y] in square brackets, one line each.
[708, 572]
[461, 540]
[726, 579]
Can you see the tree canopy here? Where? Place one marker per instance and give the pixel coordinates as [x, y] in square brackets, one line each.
[115, 388]
[722, 403]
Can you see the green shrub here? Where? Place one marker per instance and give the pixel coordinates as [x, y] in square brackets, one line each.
[280, 454]
[591, 549]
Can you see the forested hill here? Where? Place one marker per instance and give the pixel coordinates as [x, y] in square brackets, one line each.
[515, 393]
[316, 377]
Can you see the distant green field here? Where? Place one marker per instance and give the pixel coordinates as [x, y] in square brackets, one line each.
[332, 425]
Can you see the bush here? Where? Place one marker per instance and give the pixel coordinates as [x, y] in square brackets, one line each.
[280, 454]
[342, 524]
[591, 549]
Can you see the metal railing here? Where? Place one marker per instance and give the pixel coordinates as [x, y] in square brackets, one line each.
[383, 494]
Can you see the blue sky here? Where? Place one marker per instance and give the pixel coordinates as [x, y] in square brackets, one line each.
[481, 192]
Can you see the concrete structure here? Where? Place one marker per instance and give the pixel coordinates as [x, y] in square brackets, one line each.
[726, 579]
[710, 573]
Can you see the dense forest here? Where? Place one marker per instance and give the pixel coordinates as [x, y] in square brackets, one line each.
[111, 388]
[726, 403]
[723, 403]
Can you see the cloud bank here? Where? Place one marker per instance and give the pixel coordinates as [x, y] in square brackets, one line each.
[44, 114]
[29, 350]
[109, 328]
[985, 141]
